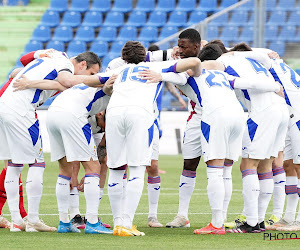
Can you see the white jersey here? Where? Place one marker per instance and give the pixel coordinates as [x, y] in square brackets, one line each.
[211, 90]
[28, 100]
[81, 100]
[290, 82]
[130, 90]
[254, 100]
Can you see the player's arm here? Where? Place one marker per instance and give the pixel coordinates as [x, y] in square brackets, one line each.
[172, 89]
[159, 55]
[67, 79]
[259, 57]
[24, 83]
[192, 63]
[213, 65]
[29, 57]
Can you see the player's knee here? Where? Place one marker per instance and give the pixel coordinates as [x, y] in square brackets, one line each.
[191, 164]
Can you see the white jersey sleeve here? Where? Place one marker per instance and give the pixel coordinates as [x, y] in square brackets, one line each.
[115, 63]
[159, 55]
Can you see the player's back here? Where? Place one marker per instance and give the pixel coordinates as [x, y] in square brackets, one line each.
[290, 81]
[131, 90]
[211, 90]
[249, 68]
[29, 99]
[81, 100]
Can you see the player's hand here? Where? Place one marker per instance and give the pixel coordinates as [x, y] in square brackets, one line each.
[101, 120]
[175, 53]
[80, 187]
[150, 75]
[21, 83]
[48, 53]
[108, 85]
[203, 43]
[274, 55]
[280, 92]
[73, 182]
[182, 103]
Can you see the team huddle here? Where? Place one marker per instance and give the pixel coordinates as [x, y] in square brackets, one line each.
[122, 102]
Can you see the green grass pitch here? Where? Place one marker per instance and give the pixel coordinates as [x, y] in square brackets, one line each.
[156, 238]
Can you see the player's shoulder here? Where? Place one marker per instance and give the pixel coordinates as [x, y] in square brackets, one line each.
[115, 63]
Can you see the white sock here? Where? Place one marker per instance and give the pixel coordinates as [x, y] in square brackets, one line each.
[291, 198]
[153, 195]
[216, 193]
[74, 202]
[101, 194]
[34, 190]
[124, 189]
[186, 188]
[115, 194]
[266, 186]
[298, 190]
[92, 196]
[134, 191]
[62, 196]
[12, 190]
[279, 179]
[227, 179]
[250, 194]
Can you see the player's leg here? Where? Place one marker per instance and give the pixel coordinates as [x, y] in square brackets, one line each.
[191, 152]
[227, 179]
[266, 185]
[4, 223]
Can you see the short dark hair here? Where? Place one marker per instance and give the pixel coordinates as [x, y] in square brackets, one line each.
[90, 57]
[133, 52]
[210, 52]
[191, 34]
[241, 47]
[220, 44]
[153, 47]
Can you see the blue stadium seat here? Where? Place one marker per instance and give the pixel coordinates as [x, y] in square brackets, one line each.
[247, 6]
[220, 20]
[58, 5]
[148, 34]
[102, 6]
[247, 34]
[270, 5]
[212, 32]
[63, 34]
[116, 48]
[294, 18]
[113, 18]
[251, 18]
[297, 37]
[286, 4]
[107, 34]
[229, 33]
[145, 44]
[196, 17]
[60, 46]
[100, 48]
[145, 5]
[50, 18]
[71, 18]
[239, 17]
[124, 6]
[85, 34]
[166, 5]
[287, 33]
[127, 33]
[177, 19]
[41, 33]
[270, 33]
[277, 17]
[157, 19]
[33, 46]
[75, 48]
[208, 6]
[137, 19]
[80, 5]
[92, 19]
[165, 46]
[278, 46]
[186, 5]
[227, 3]
[167, 31]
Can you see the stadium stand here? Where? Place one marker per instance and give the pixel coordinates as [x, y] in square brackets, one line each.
[104, 26]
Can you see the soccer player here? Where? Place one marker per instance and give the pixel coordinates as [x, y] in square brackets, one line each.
[263, 138]
[19, 130]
